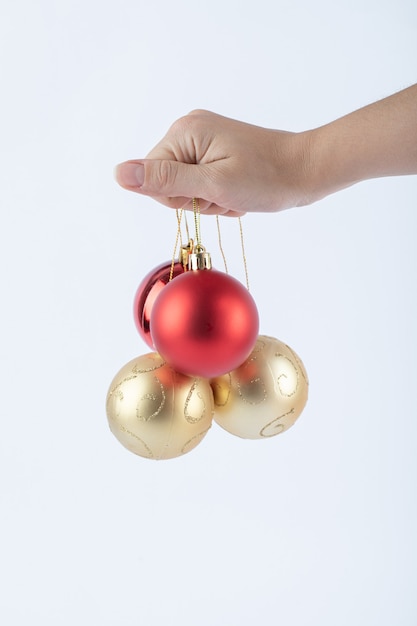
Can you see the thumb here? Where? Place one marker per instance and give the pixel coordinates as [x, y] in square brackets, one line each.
[164, 178]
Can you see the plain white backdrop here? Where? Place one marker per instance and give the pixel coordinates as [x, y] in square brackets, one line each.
[315, 527]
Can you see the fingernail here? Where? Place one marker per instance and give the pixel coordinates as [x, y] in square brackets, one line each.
[130, 174]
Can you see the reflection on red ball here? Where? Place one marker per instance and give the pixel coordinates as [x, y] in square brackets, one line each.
[146, 294]
[204, 323]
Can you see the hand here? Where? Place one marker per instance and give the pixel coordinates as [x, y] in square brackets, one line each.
[232, 167]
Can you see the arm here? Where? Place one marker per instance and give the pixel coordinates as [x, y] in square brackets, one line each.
[375, 141]
[235, 167]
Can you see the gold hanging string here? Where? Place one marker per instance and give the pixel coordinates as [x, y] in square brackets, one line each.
[179, 214]
[242, 243]
[187, 232]
[196, 210]
[219, 236]
[177, 238]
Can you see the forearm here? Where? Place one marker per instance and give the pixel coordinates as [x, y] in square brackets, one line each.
[375, 141]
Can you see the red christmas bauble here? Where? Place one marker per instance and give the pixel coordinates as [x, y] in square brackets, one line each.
[204, 323]
[146, 294]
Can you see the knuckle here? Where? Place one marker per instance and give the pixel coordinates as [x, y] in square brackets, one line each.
[192, 122]
[163, 176]
[200, 112]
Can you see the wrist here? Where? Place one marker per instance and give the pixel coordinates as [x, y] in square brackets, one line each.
[311, 163]
[332, 163]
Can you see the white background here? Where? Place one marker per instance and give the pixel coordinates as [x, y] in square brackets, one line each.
[313, 527]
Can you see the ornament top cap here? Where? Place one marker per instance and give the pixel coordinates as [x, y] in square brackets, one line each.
[199, 259]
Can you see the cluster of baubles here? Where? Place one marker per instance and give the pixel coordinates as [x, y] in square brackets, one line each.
[208, 362]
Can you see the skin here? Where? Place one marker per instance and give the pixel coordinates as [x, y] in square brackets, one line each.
[234, 167]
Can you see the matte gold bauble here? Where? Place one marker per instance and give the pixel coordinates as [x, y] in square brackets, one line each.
[265, 395]
[156, 412]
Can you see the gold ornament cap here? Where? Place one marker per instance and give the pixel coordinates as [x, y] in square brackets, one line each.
[199, 259]
[184, 255]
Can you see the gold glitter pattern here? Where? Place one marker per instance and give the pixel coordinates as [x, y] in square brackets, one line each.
[275, 427]
[189, 445]
[191, 404]
[158, 362]
[288, 380]
[147, 452]
[151, 399]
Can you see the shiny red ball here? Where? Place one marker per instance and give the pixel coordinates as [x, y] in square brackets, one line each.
[204, 323]
[146, 294]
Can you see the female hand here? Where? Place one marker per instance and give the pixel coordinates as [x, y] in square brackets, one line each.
[233, 167]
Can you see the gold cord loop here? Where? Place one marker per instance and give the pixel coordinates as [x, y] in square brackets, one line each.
[197, 220]
[177, 238]
[242, 243]
[196, 248]
[219, 236]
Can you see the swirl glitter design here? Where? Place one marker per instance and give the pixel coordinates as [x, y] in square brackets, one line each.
[148, 452]
[276, 426]
[144, 370]
[194, 441]
[285, 377]
[151, 397]
[300, 365]
[115, 397]
[189, 400]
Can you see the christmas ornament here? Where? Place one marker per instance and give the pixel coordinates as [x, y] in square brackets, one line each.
[156, 412]
[204, 323]
[147, 292]
[265, 395]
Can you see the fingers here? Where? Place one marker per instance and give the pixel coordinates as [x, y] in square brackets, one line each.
[222, 162]
[206, 207]
[130, 175]
[173, 184]
[164, 178]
